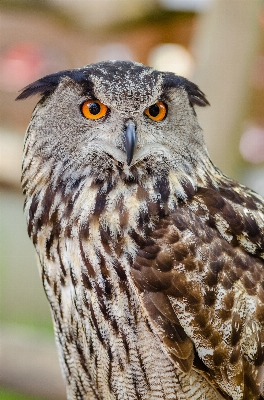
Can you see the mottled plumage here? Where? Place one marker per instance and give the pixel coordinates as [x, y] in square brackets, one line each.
[154, 269]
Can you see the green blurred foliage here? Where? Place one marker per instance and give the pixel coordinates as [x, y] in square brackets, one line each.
[7, 394]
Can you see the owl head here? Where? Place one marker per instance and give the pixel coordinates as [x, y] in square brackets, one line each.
[116, 115]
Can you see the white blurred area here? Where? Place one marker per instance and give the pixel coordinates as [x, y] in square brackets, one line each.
[197, 5]
[114, 51]
[252, 144]
[172, 57]
[100, 13]
[251, 148]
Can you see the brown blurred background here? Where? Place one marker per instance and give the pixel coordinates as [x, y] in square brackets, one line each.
[219, 44]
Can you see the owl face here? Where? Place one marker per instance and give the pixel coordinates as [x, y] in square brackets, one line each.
[116, 114]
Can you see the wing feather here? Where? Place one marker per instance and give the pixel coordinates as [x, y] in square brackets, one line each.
[201, 283]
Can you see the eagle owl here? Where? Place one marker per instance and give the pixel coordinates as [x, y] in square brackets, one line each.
[152, 260]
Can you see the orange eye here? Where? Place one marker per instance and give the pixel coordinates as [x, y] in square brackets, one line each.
[157, 111]
[93, 109]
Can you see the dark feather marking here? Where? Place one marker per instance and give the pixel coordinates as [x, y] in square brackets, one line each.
[180, 251]
[106, 277]
[120, 271]
[49, 243]
[225, 314]
[110, 372]
[67, 366]
[62, 281]
[82, 358]
[164, 261]
[95, 324]
[162, 187]
[198, 363]
[143, 219]
[101, 199]
[179, 221]
[86, 282]
[60, 259]
[101, 299]
[188, 188]
[55, 288]
[32, 210]
[73, 277]
[217, 266]
[47, 84]
[202, 319]
[209, 297]
[59, 301]
[86, 262]
[47, 202]
[84, 232]
[143, 369]
[77, 388]
[220, 356]
[139, 239]
[228, 300]
[196, 96]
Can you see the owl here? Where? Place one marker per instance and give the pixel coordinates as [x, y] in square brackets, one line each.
[152, 260]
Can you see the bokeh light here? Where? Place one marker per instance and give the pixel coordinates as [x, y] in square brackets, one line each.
[172, 57]
[252, 144]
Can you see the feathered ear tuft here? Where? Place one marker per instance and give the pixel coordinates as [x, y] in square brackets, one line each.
[48, 84]
[42, 86]
[196, 96]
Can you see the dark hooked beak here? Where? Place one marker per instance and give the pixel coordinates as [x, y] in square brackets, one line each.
[130, 140]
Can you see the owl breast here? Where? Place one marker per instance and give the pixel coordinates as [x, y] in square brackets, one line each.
[107, 347]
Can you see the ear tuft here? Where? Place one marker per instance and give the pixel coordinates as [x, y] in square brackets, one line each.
[48, 84]
[196, 96]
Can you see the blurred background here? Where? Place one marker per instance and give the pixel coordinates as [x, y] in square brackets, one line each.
[218, 44]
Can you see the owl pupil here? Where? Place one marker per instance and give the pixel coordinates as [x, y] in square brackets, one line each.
[154, 110]
[94, 108]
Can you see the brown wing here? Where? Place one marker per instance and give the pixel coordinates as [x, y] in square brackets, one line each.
[200, 277]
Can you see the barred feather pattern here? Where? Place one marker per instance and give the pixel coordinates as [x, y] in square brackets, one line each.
[111, 304]
[155, 271]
